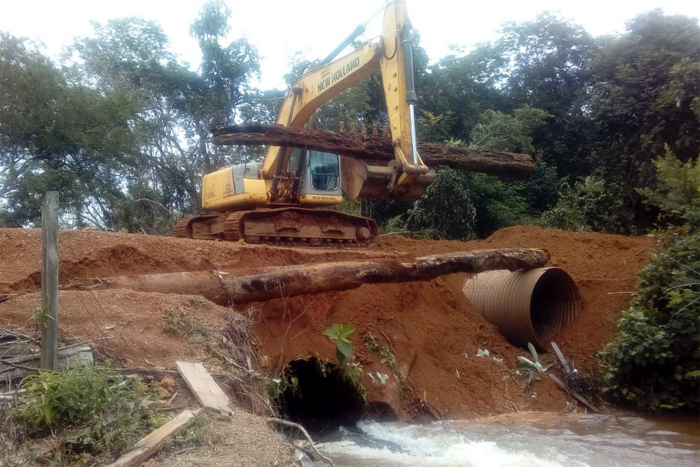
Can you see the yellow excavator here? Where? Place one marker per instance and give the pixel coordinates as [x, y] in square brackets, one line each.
[277, 201]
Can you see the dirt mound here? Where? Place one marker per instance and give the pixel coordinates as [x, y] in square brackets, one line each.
[86, 254]
[429, 326]
[130, 328]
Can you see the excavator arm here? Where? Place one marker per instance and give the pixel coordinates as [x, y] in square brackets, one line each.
[407, 176]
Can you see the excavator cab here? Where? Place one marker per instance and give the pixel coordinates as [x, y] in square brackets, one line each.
[326, 176]
[319, 183]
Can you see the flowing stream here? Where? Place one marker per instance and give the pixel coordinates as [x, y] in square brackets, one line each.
[537, 440]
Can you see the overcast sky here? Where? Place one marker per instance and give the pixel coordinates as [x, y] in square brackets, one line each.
[278, 28]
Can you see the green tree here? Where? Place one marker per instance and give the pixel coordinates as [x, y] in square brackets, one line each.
[548, 67]
[456, 91]
[176, 109]
[514, 133]
[29, 84]
[461, 205]
[654, 360]
[590, 204]
[58, 135]
[644, 98]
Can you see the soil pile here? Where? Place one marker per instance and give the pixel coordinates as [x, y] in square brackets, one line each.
[429, 327]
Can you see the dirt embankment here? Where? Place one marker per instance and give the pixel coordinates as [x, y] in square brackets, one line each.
[430, 327]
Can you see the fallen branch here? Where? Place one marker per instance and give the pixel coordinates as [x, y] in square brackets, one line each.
[12, 395]
[563, 386]
[304, 432]
[20, 365]
[45, 446]
[289, 281]
[5, 297]
[499, 163]
[562, 359]
[14, 366]
[17, 335]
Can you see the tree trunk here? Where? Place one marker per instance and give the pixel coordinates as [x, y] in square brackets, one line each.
[500, 163]
[227, 288]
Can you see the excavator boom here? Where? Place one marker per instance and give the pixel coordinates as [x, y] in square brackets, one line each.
[407, 177]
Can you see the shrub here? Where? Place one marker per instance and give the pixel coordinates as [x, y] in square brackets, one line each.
[654, 360]
[340, 333]
[57, 400]
[590, 204]
[446, 210]
[112, 408]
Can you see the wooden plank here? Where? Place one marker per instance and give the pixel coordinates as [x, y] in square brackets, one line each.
[150, 444]
[49, 281]
[562, 359]
[203, 386]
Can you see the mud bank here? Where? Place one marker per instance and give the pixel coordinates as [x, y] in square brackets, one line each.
[424, 335]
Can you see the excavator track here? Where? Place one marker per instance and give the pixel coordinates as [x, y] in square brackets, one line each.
[283, 226]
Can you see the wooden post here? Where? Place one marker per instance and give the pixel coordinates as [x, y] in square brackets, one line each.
[49, 281]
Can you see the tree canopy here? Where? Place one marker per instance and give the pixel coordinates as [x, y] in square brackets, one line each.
[120, 126]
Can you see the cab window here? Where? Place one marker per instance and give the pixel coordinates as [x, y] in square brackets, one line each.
[325, 170]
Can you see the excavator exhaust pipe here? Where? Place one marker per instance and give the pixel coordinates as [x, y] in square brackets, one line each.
[366, 179]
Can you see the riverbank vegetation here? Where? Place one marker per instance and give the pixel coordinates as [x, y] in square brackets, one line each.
[653, 362]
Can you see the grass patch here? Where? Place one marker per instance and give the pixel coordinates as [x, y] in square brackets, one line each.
[92, 413]
[180, 324]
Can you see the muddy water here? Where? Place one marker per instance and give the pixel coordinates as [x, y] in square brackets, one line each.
[537, 440]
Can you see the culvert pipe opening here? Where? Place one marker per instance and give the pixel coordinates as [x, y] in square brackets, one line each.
[323, 397]
[525, 306]
[554, 303]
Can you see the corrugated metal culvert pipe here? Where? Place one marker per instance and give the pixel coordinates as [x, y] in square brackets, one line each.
[526, 306]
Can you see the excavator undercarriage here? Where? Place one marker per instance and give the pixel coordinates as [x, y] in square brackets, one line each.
[282, 226]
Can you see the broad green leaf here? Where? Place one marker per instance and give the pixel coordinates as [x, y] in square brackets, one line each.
[345, 348]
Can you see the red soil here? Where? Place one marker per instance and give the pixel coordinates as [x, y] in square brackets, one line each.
[430, 326]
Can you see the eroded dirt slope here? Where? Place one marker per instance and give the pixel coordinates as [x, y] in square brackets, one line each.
[430, 326]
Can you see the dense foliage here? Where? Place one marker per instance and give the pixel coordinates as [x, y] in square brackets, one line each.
[107, 412]
[654, 360]
[120, 125]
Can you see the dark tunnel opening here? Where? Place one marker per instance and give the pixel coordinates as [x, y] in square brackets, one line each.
[320, 403]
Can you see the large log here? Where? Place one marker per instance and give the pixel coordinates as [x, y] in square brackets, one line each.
[227, 288]
[499, 163]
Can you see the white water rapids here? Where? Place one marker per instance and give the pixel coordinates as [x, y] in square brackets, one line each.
[519, 440]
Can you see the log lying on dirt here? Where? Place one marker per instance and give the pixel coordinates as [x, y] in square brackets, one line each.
[22, 365]
[288, 281]
[499, 163]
